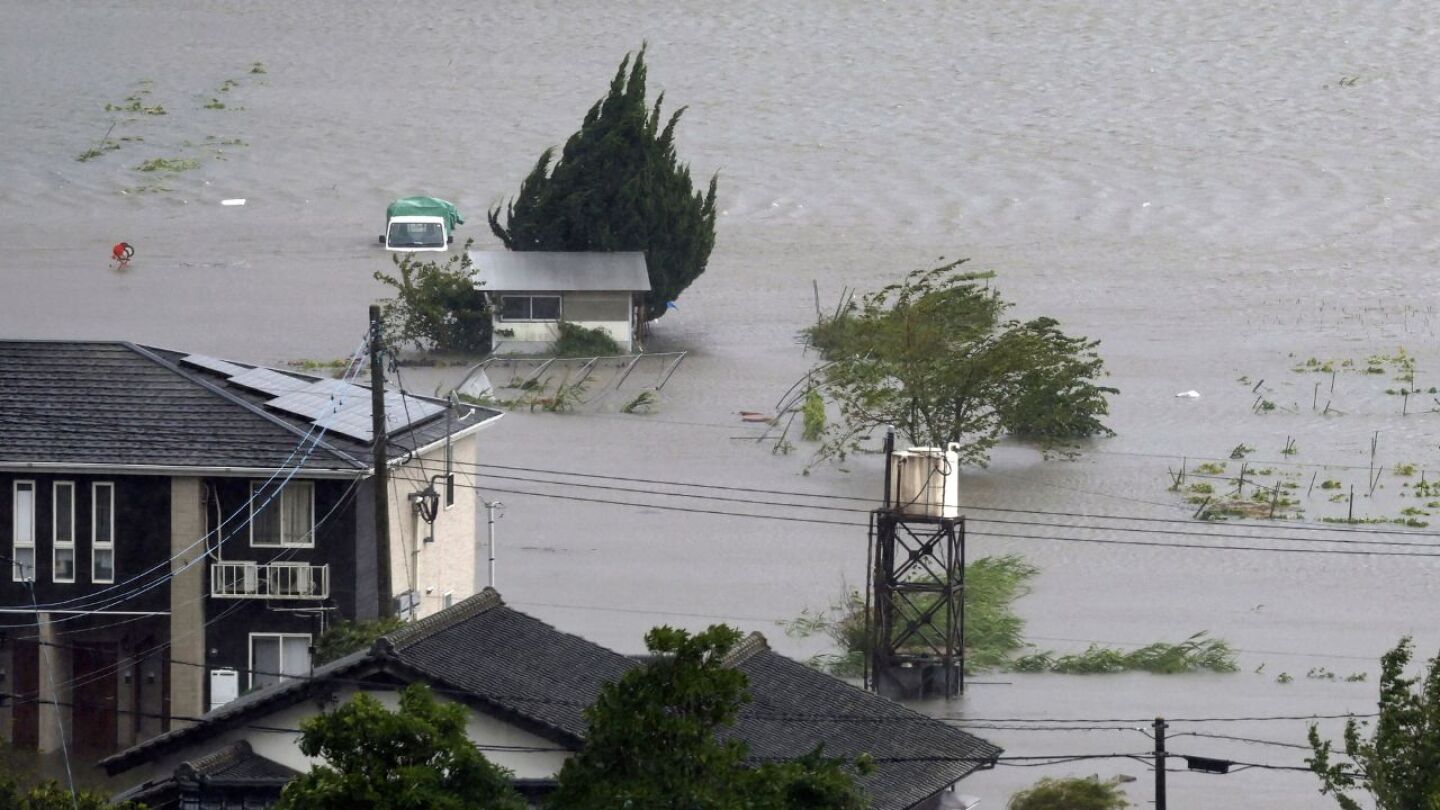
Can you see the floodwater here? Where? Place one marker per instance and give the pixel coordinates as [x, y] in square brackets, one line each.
[1216, 192]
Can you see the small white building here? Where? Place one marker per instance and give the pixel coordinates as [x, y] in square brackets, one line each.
[532, 292]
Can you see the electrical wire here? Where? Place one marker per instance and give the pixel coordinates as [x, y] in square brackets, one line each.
[998, 521]
[1270, 526]
[969, 532]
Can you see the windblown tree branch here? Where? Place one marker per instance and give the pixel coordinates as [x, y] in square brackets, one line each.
[616, 186]
[934, 357]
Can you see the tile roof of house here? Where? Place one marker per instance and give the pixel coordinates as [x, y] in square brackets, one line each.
[235, 765]
[523, 670]
[117, 405]
[560, 271]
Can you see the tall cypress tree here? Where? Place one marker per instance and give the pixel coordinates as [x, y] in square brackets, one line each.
[618, 186]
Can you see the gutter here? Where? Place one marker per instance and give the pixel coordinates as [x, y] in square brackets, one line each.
[171, 470]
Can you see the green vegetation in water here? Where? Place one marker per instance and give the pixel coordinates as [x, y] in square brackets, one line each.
[814, 412]
[1330, 484]
[1198, 653]
[577, 341]
[257, 68]
[1404, 470]
[307, 364]
[136, 104]
[994, 633]
[642, 403]
[214, 104]
[108, 145]
[226, 85]
[1211, 468]
[1284, 677]
[168, 165]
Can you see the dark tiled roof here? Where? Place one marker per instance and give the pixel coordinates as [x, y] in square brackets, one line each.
[235, 765]
[520, 668]
[118, 405]
[513, 661]
[793, 708]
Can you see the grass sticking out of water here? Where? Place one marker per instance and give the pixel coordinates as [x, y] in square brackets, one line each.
[1198, 653]
[995, 634]
[168, 165]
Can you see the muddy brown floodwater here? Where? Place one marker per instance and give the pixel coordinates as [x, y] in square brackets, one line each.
[1215, 192]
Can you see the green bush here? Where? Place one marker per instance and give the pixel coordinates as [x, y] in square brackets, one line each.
[436, 306]
[577, 341]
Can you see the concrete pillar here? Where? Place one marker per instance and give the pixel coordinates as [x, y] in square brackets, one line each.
[53, 709]
[187, 604]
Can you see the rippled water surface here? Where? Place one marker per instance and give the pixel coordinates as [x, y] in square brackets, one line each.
[1213, 191]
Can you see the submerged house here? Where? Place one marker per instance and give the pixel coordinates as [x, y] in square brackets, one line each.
[526, 685]
[177, 529]
[532, 292]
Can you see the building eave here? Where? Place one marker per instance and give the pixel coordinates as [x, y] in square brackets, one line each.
[172, 470]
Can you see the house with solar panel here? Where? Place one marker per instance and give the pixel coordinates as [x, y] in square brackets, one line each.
[178, 529]
[532, 292]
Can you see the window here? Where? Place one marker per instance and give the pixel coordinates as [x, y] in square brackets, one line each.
[529, 307]
[63, 531]
[286, 519]
[23, 556]
[102, 533]
[276, 657]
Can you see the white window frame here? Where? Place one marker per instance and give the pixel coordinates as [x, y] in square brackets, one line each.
[95, 544]
[16, 575]
[280, 639]
[256, 490]
[56, 545]
[559, 309]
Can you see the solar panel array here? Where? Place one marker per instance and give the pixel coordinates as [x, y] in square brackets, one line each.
[335, 405]
[213, 364]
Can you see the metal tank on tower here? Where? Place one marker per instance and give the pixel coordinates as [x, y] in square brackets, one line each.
[916, 613]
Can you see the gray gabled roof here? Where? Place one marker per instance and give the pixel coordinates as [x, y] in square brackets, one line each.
[517, 667]
[118, 406]
[236, 765]
[554, 271]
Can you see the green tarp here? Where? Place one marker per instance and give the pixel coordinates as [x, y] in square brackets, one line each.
[425, 207]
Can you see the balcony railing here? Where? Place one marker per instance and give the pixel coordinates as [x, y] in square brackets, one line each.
[285, 580]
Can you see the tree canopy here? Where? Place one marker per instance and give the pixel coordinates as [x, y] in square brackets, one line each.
[436, 306]
[652, 741]
[934, 357]
[1399, 763]
[618, 186]
[1070, 794]
[416, 758]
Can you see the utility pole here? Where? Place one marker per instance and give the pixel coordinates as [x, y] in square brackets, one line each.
[382, 476]
[1160, 726]
[490, 507]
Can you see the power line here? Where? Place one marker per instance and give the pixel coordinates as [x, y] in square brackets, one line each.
[1271, 526]
[854, 524]
[1000, 521]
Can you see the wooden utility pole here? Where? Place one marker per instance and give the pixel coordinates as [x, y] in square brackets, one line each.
[382, 472]
[1160, 726]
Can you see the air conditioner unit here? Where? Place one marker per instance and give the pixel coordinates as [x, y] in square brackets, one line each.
[224, 687]
[925, 481]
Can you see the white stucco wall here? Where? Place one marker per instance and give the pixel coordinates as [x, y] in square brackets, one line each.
[534, 336]
[448, 563]
[284, 746]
